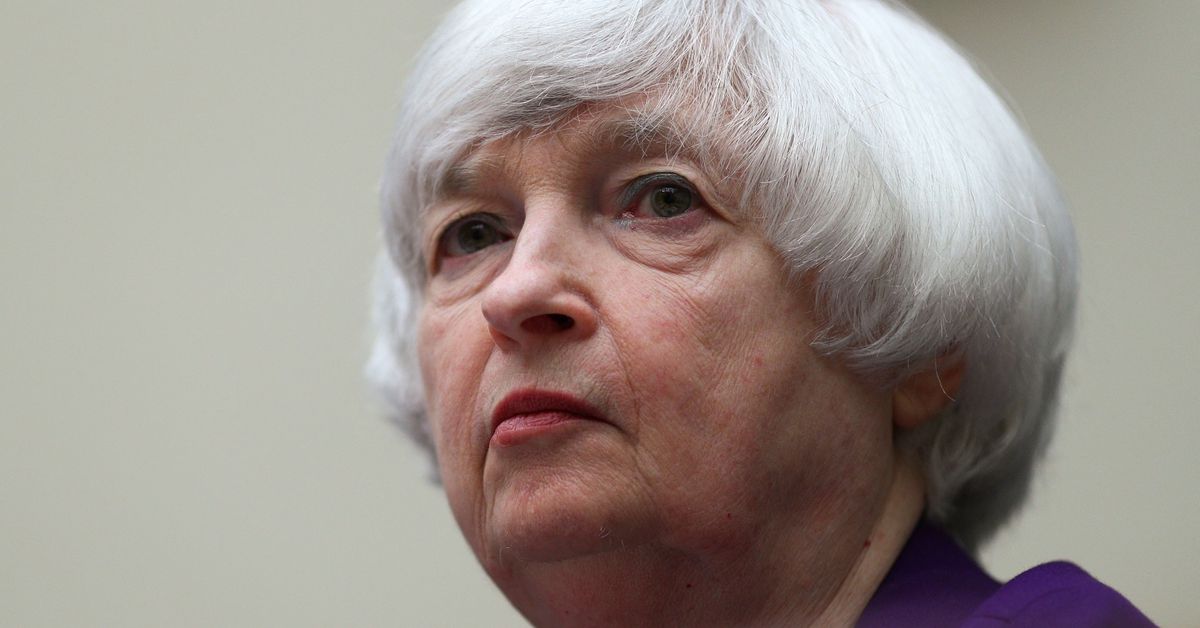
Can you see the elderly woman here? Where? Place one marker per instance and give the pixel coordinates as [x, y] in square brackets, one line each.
[727, 312]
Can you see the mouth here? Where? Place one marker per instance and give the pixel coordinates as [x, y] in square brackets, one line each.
[526, 413]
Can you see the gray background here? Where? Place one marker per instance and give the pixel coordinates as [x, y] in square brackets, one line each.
[187, 228]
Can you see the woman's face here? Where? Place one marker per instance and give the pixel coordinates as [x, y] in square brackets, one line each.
[614, 359]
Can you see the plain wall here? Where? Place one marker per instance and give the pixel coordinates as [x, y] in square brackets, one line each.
[187, 229]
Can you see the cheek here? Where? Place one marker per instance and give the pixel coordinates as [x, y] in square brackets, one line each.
[696, 369]
[453, 347]
[735, 405]
[709, 351]
[452, 350]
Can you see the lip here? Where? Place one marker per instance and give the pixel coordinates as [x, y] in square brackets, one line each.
[530, 411]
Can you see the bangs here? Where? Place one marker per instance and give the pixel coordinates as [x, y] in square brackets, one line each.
[688, 72]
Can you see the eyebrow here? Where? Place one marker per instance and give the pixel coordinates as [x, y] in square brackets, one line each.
[467, 176]
[639, 133]
[647, 134]
[658, 135]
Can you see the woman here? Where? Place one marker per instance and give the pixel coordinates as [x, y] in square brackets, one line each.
[726, 313]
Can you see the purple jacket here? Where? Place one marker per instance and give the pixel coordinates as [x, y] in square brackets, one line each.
[935, 583]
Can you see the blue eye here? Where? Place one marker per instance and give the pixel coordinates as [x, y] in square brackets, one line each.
[661, 195]
[471, 234]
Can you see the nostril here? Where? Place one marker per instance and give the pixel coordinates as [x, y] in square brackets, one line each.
[548, 323]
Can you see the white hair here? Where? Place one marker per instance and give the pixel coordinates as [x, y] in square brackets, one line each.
[878, 161]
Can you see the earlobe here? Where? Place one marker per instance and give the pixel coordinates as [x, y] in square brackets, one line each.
[924, 394]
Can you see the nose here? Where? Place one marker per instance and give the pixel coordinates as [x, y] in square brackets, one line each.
[543, 293]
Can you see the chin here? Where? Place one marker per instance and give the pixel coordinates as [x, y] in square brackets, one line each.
[561, 517]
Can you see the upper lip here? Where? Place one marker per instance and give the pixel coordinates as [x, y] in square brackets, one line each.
[531, 401]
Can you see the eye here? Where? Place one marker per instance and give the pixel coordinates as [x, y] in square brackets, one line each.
[471, 234]
[661, 195]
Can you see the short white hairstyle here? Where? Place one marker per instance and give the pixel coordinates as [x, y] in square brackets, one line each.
[873, 156]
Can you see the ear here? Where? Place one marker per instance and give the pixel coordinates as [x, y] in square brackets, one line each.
[924, 394]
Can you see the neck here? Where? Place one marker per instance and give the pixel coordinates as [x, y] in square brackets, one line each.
[781, 578]
[902, 511]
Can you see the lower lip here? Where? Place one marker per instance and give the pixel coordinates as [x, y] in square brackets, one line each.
[522, 427]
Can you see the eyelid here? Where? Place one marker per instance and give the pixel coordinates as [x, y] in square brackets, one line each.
[635, 189]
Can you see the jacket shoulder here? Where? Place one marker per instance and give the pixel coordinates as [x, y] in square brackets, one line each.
[1056, 594]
